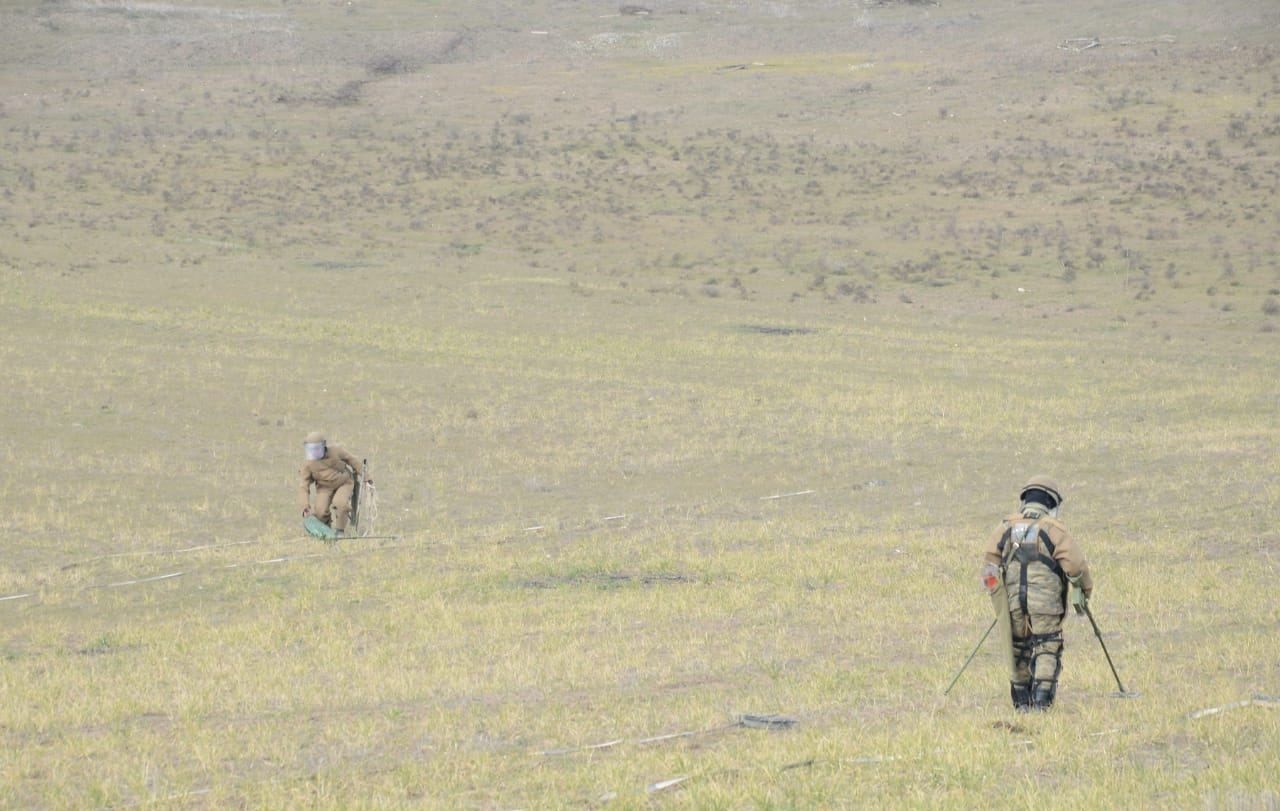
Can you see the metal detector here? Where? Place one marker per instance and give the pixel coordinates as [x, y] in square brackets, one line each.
[976, 648]
[364, 503]
[357, 492]
[1123, 692]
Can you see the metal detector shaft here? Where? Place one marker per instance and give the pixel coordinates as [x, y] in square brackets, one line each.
[357, 491]
[1105, 652]
[976, 648]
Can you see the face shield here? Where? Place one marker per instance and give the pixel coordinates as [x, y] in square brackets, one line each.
[313, 450]
[1040, 498]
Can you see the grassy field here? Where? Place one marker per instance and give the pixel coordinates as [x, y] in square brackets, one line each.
[695, 354]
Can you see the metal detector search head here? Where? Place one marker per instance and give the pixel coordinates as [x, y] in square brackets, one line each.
[319, 529]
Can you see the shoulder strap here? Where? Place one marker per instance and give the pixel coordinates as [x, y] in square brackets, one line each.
[1020, 533]
[1048, 560]
[1003, 546]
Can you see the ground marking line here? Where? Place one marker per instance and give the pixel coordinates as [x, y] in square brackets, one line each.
[665, 784]
[787, 495]
[408, 534]
[641, 741]
[183, 550]
[272, 560]
[658, 738]
[1215, 710]
[144, 580]
[1255, 701]
[212, 546]
[292, 557]
[144, 552]
[587, 748]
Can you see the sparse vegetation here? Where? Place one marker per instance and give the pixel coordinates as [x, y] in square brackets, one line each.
[697, 351]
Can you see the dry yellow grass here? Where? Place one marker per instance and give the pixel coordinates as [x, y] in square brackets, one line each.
[691, 393]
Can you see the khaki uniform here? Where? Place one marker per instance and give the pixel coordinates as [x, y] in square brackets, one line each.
[331, 474]
[1036, 555]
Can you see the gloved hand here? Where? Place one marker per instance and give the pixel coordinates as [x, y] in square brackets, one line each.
[1079, 600]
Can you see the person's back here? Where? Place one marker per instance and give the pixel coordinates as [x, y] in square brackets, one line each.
[1036, 558]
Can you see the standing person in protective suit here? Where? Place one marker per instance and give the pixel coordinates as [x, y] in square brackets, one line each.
[332, 470]
[1030, 563]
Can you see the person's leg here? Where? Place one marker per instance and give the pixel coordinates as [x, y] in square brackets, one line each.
[1020, 685]
[1046, 660]
[342, 506]
[320, 509]
[1020, 679]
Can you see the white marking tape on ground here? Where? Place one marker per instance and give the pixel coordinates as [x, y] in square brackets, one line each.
[662, 785]
[641, 742]
[296, 557]
[183, 550]
[659, 738]
[212, 546]
[788, 495]
[145, 552]
[1256, 701]
[144, 580]
[272, 560]
[587, 748]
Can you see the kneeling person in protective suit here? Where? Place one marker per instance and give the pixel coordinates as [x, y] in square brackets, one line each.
[332, 470]
[1033, 559]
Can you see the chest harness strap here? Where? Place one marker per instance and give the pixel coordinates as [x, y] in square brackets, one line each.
[1030, 544]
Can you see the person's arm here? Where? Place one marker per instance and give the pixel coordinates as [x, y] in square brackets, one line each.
[350, 461]
[304, 491]
[1073, 562]
[993, 554]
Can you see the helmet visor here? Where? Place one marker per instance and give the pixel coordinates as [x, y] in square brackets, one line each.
[313, 450]
[1036, 495]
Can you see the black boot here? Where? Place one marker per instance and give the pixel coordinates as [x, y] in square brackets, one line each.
[1021, 695]
[1042, 698]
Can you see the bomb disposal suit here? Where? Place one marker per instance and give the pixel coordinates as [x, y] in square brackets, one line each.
[1033, 560]
[332, 470]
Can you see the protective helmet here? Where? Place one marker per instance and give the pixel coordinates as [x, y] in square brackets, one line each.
[314, 445]
[1044, 484]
